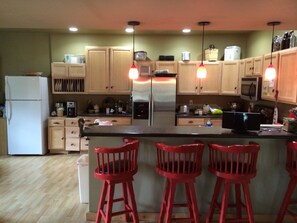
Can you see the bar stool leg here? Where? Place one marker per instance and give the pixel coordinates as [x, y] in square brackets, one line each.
[286, 201]
[164, 202]
[189, 201]
[170, 202]
[214, 199]
[238, 201]
[248, 202]
[126, 202]
[225, 200]
[101, 202]
[194, 206]
[133, 203]
[109, 202]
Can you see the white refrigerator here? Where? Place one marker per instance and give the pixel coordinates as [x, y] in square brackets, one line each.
[27, 110]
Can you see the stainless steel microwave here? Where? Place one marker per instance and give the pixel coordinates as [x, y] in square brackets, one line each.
[251, 88]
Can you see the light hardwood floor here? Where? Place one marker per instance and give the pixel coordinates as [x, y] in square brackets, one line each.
[40, 189]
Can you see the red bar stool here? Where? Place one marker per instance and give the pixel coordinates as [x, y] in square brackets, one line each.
[114, 166]
[291, 166]
[235, 164]
[179, 164]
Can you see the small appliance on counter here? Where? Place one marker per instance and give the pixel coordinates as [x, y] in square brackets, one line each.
[71, 109]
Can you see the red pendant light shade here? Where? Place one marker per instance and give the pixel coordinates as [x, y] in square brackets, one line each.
[270, 72]
[201, 71]
[133, 72]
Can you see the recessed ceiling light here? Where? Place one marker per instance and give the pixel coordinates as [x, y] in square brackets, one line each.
[129, 30]
[186, 30]
[73, 29]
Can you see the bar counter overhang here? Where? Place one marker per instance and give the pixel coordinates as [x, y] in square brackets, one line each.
[267, 188]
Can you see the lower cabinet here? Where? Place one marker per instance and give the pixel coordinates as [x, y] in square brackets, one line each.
[193, 121]
[56, 134]
[72, 134]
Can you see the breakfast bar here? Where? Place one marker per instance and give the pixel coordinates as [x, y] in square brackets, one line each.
[267, 188]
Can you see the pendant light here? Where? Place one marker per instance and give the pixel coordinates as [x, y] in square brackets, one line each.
[270, 72]
[201, 71]
[133, 72]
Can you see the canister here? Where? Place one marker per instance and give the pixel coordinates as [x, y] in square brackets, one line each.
[186, 56]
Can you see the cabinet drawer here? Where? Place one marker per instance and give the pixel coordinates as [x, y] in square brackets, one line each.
[56, 121]
[71, 122]
[72, 132]
[215, 122]
[89, 120]
[117, 120]
[72, 144]
[190, 121]
[84, 144]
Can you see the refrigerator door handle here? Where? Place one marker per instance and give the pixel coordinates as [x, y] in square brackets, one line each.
[9, 111]
[152, 111]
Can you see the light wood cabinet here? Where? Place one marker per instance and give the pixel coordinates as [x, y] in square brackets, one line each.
[72, 134]
[145, 68]
[3, 136]
[230, 78]
[212, 83]
[56, 134]
[171, 66]
[60, 69]
[241, 74]
[269, 86]
[253, 66]
[287, 76]
[107, 70]
[193, 121]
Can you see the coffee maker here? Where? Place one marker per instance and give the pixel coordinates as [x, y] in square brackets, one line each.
[71, 109]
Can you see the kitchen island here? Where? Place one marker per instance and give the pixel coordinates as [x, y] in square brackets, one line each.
[267, 188]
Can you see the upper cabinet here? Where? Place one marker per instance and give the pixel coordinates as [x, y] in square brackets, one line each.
[269, 86]
[107, 70]
[287, 76]
[60, 69]
[230, 78]
[212, 83]
[253, 66]
[171, 66]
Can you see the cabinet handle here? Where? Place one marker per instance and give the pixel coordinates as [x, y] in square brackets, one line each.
[196, 87]
[201, 87]
[106, 87]
[72, 132]
[273, 90]
[56, 123]
[72, 144]
[235, 88]
[62, 138]
[111, 87]
[72, 122]
[190, 122]
[114, 121]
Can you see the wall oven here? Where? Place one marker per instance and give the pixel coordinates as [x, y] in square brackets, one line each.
[251, 88]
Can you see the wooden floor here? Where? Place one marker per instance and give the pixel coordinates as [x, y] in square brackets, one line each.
[40, 189]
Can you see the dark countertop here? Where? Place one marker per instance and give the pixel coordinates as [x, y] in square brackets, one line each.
[105, 115]
[180, 131]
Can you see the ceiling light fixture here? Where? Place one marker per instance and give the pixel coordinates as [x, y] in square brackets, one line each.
[73, 29]
[133, 72]
[186, 30]
[270, 72]
[201, 71]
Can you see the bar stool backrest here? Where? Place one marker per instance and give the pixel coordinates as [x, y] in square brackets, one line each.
[179, 162]
[291, 163]
[117, 163]
[233, 162]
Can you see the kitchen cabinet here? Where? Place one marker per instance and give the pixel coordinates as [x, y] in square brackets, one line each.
[230, 78]
[189, 84]
[68, 78]
[3, 136]
[56, 134]
[107, 70]
[72, 134]
[212, 83]
[253, 66]
[171, 66]
[241, 74]
[197, 121]
[287, 76]
[116, 121]
[269, 86]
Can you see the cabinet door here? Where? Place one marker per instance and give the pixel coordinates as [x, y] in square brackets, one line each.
[77, 70]
[258, 64]
[190, 121]
[287, 77]
[59, 69]
[249, 66]
[97, 78]
[117, 120]
[241, 74]
[212, 83]
[56, 139]
[171, 66]
[269, 86]
[187, 83]
[230, 71]
[120, 63]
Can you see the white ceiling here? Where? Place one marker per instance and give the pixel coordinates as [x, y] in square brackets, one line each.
[154, 15]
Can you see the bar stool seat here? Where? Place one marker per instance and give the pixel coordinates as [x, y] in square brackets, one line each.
[179, 164]
[117, 166]
[291, 166]
[232, 165]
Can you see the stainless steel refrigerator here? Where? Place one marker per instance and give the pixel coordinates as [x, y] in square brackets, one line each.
[27, 110]
[154, 101]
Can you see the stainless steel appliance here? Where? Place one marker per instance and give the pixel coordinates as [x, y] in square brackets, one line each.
[154, 101]
[71, 109]
[251, 88]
